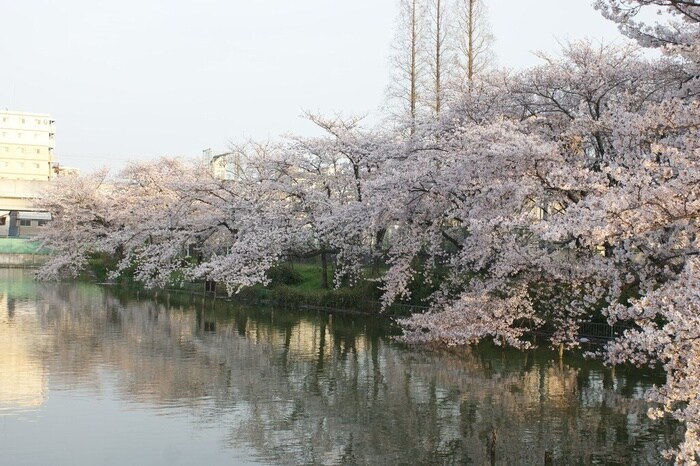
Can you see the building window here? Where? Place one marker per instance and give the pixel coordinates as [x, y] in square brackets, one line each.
[38, 151]
[41, 223]
[22, 120]
[19, 164]
[3, 220]
[38, 121]
[24, 222]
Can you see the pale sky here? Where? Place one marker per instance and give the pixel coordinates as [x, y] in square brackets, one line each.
[133, 79]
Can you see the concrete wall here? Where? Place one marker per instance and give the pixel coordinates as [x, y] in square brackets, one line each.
[22, 260]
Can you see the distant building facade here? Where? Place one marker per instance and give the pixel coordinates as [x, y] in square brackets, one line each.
[60, 170]
[27, 142]
[223, 165]
[26, 146]
[22, 224]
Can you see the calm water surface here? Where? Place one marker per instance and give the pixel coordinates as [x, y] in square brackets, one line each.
[94, 376]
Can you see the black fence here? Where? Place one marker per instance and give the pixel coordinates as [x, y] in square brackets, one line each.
[601, 330]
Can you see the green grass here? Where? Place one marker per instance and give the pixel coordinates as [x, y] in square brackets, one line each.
[303, 285]
[311, 277]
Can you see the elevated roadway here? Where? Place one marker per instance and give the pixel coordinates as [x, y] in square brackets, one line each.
[17, 206]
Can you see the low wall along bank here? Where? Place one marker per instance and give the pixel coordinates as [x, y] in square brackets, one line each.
[21, 252]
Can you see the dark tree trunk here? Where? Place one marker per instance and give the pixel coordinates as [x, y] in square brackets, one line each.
[324, 269]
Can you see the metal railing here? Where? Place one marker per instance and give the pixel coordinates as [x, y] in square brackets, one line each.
[601, 330]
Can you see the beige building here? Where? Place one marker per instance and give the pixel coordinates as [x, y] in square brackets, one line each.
[27, 142]
[26, 145]
[223, 165]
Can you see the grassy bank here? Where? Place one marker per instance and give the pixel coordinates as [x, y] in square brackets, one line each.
[20, 246]
[294, 285]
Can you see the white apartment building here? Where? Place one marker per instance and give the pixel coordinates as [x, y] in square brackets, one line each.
[26, 145]
[223, 165]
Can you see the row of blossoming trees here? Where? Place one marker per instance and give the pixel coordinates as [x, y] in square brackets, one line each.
[551, 196]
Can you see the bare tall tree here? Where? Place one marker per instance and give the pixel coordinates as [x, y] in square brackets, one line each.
[440, 46]
[438, 58]
[407, 58]
[473, 41]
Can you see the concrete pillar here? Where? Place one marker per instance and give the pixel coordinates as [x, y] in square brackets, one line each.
[13, 229]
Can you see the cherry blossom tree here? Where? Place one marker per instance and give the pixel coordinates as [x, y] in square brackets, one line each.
[247, 224]
[332, 183]
[86, 213]
[590, 210]
[652, 216]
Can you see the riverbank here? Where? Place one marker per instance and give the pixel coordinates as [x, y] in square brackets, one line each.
[305, 293]
[21, 253]
[299, 286]
[294, 285]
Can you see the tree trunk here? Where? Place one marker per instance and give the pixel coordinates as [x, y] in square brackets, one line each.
[414, 65]
[438, 56]
[324, 269]
[378, 240]
[470, 43]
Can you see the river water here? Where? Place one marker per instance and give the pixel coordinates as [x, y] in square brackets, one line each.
[96, 376]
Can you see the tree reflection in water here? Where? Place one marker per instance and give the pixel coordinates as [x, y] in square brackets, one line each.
[306, 388]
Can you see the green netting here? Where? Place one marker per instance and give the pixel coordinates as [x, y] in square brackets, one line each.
[20, 246]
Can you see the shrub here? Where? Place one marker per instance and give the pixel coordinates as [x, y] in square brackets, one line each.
[283, 274]
[286, 296]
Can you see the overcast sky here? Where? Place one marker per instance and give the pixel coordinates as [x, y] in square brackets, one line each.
[133, 79]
